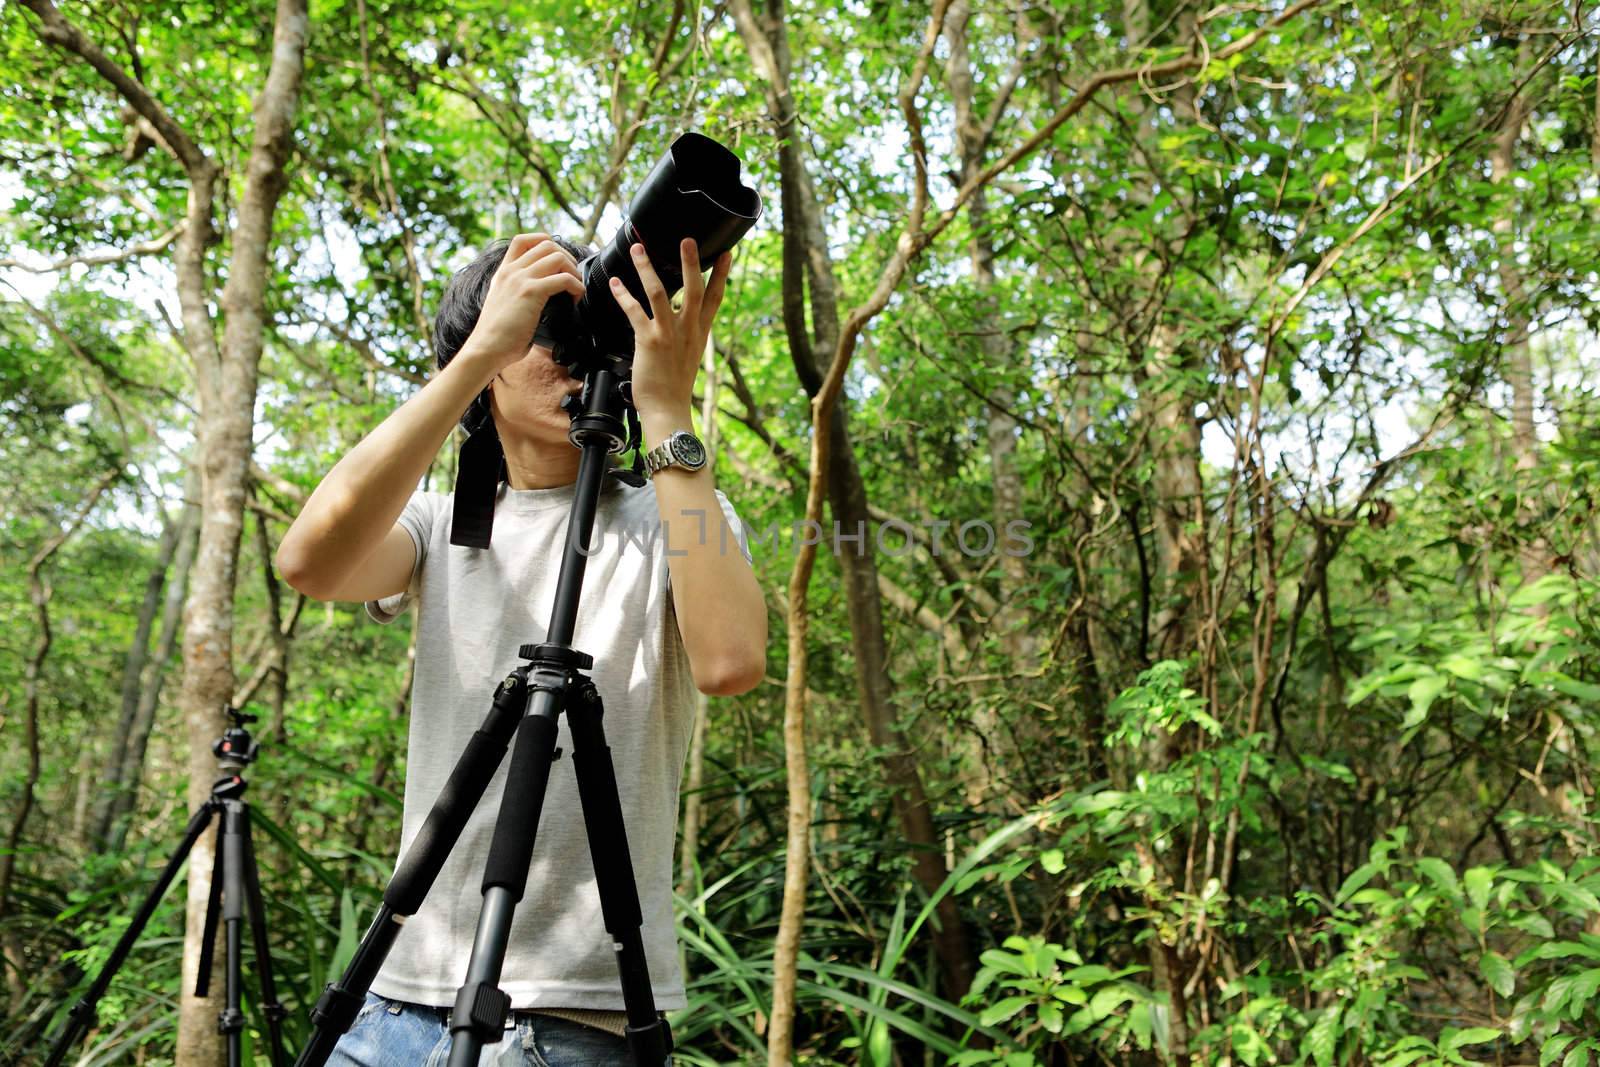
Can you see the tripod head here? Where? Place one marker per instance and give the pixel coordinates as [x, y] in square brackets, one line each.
[236, 749]
[603, 411]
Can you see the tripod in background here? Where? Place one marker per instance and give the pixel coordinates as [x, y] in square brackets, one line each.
[234, 886]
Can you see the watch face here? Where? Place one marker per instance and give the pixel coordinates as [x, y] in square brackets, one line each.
[688, 450]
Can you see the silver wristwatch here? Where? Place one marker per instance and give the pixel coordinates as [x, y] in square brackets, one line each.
[681, 449]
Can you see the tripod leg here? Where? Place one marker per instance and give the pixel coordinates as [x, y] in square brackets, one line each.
[208, 940]
[82, 1015]
[481, 1006]
[270, 1007]
[648, 1033]
[230, 1022]
[336, 1009]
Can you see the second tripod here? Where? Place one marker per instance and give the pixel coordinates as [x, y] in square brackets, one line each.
[235, 889]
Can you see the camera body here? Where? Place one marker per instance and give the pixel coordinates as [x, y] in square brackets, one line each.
[695, 191]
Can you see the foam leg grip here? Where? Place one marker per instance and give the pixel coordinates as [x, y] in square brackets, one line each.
[233, 867]
[514, 830]
[608, 837]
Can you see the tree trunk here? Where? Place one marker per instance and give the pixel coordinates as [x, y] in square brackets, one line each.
[797, 835]
[1166, 399]
[1008, 742]
[223, 432]
[1179, 519]
[1532, 547]
[1594, 135]
[173, 531]
[131, 773]
[226, 385]
[847, 498]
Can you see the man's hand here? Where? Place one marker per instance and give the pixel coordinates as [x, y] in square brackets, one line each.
[669, 345]
[534, 270]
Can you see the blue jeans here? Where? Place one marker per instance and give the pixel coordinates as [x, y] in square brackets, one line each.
[390, 1033]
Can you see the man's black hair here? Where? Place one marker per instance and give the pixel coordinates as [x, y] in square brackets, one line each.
[464, 296]
[458, 315]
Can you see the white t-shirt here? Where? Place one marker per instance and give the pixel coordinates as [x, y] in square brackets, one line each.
[476, 607]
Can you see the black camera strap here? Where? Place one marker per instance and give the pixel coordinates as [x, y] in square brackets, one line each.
[478, 474]
[481, 468]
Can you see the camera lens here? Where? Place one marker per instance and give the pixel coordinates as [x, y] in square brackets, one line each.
[695, 191]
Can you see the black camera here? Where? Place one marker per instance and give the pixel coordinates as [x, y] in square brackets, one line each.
[693, 191]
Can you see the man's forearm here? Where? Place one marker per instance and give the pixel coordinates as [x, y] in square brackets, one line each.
[358, 502]
[721, 614]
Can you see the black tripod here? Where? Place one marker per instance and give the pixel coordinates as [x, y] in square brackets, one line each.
[234, 886]
[529, 704]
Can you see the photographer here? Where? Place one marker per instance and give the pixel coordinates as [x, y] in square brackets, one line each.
[669, 604]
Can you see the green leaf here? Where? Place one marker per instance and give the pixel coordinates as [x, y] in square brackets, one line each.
[1109, 998]
[880, 1045]
[1574, 688]
[1140, 1023]
[1323, 1036]
[1472, 1035]
[1089, 973]
[1053, 860]
[1583, 991]
[1553, 1047]
[1439, 873]
[1500, 975]
[1576, 895]
[345, 949]
[1044, 957]
[1001, 960]
[1423, 692]
[1548, 588]
[1557, 992]
[1478, 881]
[1002, 1010]
[1534, 924]
[1358, 878]
[1410, 1055]
[1558, 950]
[1463, 667]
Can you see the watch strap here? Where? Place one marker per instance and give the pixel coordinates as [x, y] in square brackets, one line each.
[663, 456]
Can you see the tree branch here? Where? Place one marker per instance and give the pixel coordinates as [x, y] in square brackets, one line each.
[96, 259]
[54, 29]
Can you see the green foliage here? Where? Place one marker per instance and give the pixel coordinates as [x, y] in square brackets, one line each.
[1044, 989]
[1277, 747]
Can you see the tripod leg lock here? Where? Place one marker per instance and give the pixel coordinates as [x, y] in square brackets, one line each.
[83, 1013]
[231, 1021]
[336, 1009]
[651, 1045]
[481, 1008]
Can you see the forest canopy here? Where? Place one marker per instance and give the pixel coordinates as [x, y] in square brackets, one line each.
[1162, 429]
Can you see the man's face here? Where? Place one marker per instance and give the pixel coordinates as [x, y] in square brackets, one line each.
[526, 398]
